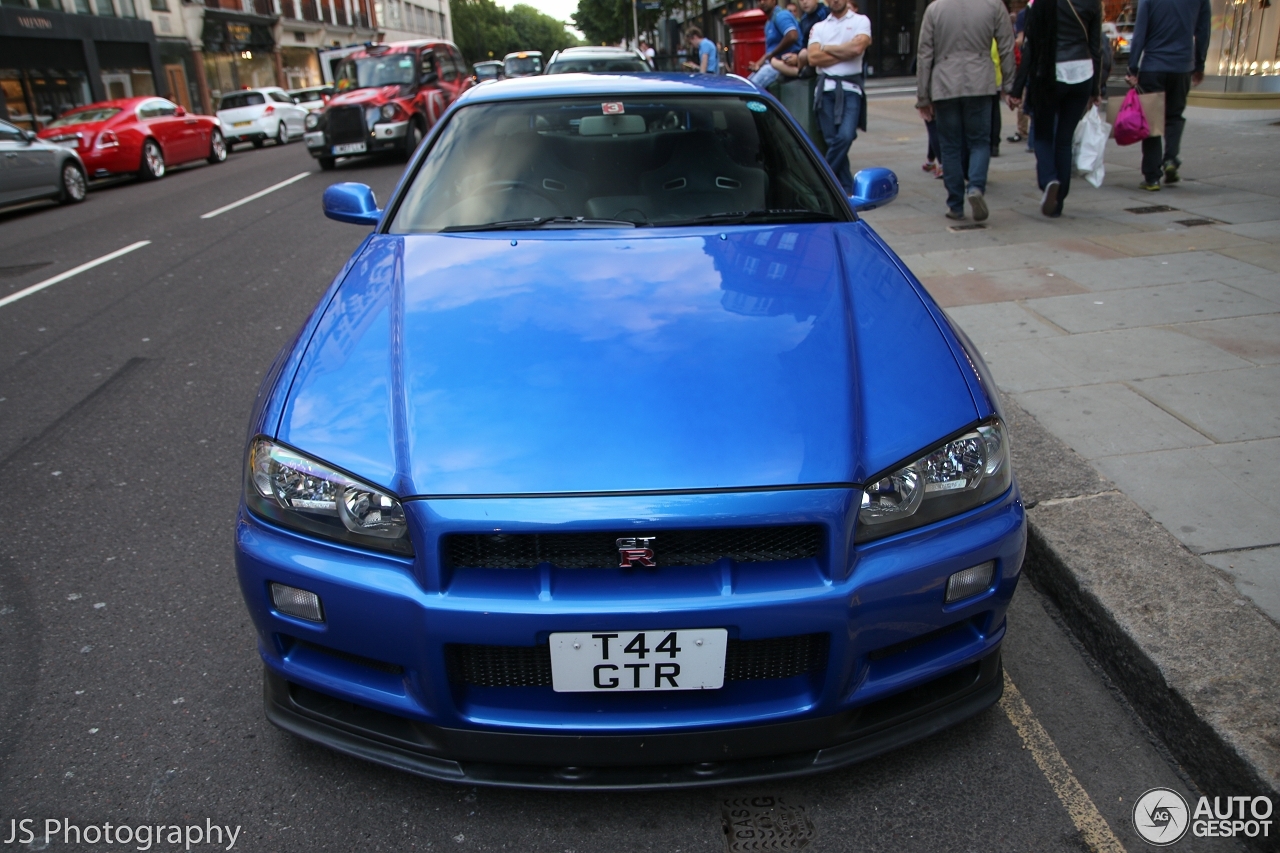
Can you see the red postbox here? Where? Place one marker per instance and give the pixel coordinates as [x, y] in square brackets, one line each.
[746, 35]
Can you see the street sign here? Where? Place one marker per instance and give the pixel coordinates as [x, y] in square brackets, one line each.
[649, 5]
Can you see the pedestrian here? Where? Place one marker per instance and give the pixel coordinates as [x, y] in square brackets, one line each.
[836, 48]
[1167, 55]
[955, 79]
[708, 57]
[792, 65]
[996, 98]
[781, 33]
[1022, 131]
[1061, 76]
[647, 51]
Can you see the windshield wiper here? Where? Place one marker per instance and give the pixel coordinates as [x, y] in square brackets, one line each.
[776, 214]
[536, 222]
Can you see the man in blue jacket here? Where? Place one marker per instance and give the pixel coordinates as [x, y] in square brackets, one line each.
[781, 33]
[1167, 53]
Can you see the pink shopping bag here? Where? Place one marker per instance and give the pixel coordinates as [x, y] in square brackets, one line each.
[1131, 123]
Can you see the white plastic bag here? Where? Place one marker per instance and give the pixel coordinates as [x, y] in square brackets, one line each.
[1089, 146]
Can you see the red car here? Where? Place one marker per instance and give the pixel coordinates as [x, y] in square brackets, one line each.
[389, 96]
[141, 136]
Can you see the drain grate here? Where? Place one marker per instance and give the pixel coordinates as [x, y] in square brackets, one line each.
[764, 824]
[21, 269]
[977, 226]
[1192, 223]
[1154, 208]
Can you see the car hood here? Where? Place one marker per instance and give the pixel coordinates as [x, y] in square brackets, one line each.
[570, 362]
[372, 95]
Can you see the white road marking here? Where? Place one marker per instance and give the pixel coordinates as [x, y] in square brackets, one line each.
[49, 282]
[255, 196]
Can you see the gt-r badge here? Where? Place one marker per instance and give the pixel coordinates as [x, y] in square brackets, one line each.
[635, 551]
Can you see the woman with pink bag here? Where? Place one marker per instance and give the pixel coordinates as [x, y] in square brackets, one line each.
[1060, 75]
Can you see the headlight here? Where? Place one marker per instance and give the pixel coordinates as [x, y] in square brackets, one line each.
[299, 492]
[312, 121]
[964, 473]
[388, 111]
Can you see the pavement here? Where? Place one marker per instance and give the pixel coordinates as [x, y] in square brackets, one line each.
[1136, 340]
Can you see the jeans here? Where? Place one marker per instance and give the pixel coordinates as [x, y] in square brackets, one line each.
[934, 152]
[765, 77]
[1055, 125]
[1155, 150]
[961, 122]
[839, 139]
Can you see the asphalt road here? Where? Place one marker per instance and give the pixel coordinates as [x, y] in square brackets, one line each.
[130, 688]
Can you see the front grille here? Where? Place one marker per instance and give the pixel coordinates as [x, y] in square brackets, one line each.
[530, 666]
[600, 550]
[345, 124]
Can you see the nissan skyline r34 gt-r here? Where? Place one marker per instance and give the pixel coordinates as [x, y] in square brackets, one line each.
[623, 454]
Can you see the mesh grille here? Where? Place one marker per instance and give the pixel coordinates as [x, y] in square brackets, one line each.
[530, 666]
[600, 550]
[346, 124]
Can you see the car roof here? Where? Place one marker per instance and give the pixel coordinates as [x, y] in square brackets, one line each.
[614, 53]
[609, 85]
[521, 54]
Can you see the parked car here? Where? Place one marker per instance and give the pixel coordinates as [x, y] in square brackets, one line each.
[623, 454]
[486, 71]
[256, 115]
[31, 168]
[143, 136]
[597, 60]
[312, 100]
[388, 97]
[522, 63]
[1120, 42]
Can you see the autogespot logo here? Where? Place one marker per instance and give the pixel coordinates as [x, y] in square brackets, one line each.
[1160, 816]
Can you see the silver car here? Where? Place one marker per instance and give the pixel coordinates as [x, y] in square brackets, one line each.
[31, 168]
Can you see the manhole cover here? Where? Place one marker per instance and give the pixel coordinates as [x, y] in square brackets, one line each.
[1192, 223]
[764, 823]
[977, 226]
[1155, 208]
[21, 269]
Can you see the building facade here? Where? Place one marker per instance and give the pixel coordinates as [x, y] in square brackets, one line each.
[402, 20]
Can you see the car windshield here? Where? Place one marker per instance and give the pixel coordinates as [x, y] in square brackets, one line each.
[309, 97]
[372, 71]
[242, 99]
[522, 65]
[609, 162]
[597, 65]
[487, 72]
[88, 116]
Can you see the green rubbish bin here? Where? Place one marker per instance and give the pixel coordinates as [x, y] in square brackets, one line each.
[797, 97]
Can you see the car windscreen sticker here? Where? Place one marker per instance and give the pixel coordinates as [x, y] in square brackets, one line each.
[613, 109]
[756, 107]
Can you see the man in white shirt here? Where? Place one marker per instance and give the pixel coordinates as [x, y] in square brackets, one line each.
[836, 46]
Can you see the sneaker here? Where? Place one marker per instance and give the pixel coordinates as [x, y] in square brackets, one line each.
[1049, 201]
[955, 214]
[929, 166]
[1153, 187]
[979, 205]
[1171, 172]
[1017, 137]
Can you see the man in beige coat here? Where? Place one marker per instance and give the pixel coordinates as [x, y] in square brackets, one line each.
[955, 80]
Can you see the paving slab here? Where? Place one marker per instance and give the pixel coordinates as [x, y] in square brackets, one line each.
[995, 322]
[1260, 254]
[1255, 571]
[1098, 421]
[1255, 338]
[1235, 213]
[1159, 269]
[1158, 305]
[1230, 405]
[1269, 231]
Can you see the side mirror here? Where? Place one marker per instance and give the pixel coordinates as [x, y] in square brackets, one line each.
[873, 188]
[181, 112]
[350, 202]
[29, 136]
[428, 78]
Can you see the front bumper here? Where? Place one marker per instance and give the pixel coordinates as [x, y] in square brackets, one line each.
[384, 136]
[375, 680]
[636, 762]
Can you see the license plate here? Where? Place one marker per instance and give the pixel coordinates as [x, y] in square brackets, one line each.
[242, 124]
[604, 661]
[68, 143]
[349, 148]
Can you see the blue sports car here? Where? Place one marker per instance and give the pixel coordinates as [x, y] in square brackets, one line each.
[622, 454]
